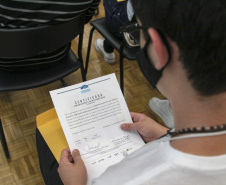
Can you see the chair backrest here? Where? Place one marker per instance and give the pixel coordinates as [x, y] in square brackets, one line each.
[28, 42]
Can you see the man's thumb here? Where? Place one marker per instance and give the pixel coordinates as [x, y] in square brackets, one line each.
[130, 126]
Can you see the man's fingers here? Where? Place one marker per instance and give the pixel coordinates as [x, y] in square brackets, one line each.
[137, 116]
[64, 154]
[76, 155]
[70, 159]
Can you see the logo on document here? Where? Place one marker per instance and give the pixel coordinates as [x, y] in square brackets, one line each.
[85, 88]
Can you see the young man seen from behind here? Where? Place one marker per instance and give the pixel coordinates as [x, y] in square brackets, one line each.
[183, 46]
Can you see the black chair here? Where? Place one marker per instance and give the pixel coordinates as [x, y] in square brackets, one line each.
[28, 42]
[121, 46]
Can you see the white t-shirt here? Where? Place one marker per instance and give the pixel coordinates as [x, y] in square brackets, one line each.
[158, 163]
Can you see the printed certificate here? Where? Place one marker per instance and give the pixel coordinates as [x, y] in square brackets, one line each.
[90, 114]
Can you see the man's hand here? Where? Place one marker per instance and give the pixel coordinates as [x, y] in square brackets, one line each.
[147, 127]
[72, 171]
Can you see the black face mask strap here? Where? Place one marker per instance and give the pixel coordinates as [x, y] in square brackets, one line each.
[148, 69]
[145, 48]
[151, 74]
[165, 42]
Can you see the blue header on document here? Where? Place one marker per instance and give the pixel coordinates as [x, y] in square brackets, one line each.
[84, 88]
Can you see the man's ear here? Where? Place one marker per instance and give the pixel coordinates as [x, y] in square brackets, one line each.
[160, 49]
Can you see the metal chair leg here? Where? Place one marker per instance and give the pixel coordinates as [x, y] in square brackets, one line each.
[3, 140]
[80, 54]
[121, 66]
[88, 50]
[97, 11]
[63, 82]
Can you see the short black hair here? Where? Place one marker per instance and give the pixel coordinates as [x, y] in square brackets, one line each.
[199, 29]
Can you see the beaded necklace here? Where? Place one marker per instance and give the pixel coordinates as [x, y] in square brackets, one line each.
[197, 130]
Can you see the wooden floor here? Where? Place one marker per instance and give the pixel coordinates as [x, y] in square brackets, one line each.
[18, 111]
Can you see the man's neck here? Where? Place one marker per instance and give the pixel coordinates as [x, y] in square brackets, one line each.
[198, 112]
[189, 113]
